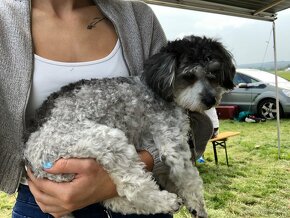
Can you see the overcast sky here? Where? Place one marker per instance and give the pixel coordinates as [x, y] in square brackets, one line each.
[250, 41]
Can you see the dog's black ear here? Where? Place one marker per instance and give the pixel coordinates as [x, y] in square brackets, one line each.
[228, 83]
[228, 69]
[159, 73]
[229, 73]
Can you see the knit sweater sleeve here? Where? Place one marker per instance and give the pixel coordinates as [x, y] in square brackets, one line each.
[153, 38]
[151, 31]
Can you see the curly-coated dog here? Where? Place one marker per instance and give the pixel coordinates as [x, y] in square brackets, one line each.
[108, 119]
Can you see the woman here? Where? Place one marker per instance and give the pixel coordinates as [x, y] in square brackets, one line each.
[44, 45]
[68, 34]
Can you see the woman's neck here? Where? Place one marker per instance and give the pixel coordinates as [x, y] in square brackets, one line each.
[60, 7]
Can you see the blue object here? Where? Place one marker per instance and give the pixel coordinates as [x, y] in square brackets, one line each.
[47, 165]
[242, 115]
[201, 160]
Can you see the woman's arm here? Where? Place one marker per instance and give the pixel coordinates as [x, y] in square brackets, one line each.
[91, 184]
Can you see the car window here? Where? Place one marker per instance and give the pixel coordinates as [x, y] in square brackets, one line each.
[238, 79]
[241, 78]
[252, 80]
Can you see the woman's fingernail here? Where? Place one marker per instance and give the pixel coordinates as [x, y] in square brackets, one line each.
[47, 165]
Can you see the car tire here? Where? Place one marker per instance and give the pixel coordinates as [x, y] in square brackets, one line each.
[267, 109]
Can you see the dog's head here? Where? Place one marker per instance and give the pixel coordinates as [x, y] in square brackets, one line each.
[193, 71]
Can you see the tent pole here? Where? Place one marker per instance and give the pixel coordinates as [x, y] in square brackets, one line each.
[277, 97]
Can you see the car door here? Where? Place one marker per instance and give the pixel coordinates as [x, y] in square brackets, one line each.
[244, 94]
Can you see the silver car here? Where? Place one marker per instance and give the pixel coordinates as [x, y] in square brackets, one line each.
[255, 91]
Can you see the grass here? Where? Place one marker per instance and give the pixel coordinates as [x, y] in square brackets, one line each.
[6, 203]
[256, 184]
[283, 74]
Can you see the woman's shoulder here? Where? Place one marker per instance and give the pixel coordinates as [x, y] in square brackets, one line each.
[14, 25]
[138, 10]
[141, 6]
[125, 6]
[6, 9]
[13, 13]
[131, 13]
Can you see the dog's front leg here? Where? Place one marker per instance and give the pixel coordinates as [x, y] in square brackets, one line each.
[138, 192]
[185, 177]
[190, 187]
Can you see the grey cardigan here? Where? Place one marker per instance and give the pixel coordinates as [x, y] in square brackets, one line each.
[140, 35]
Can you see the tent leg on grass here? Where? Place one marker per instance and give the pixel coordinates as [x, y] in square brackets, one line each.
[277, 96]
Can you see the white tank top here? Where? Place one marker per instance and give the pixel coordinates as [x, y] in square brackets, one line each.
[49, 76]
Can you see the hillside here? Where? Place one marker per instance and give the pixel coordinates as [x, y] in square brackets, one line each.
[281, 65]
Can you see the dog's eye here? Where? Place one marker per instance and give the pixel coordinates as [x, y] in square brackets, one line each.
[208, 58]
[189, 77]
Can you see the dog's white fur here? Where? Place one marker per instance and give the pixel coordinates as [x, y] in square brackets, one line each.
[108, 119]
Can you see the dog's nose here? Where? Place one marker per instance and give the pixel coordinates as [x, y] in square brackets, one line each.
[209, 101]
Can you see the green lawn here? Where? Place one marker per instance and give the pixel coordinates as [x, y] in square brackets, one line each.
[257, 183]
[283, 74]
[6, 203]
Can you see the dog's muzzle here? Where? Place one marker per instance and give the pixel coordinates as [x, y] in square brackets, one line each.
[209, 101]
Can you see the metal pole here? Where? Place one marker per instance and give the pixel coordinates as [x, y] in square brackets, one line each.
[277, 97]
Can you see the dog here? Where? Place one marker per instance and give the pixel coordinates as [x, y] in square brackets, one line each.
[109, 119]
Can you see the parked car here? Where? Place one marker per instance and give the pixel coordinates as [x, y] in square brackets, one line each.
[255, 91]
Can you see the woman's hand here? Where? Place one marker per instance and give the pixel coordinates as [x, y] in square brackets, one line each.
[91, 184]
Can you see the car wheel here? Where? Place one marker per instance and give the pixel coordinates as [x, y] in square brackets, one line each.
[267, 109]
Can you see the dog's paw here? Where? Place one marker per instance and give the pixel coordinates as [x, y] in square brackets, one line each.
[202, 214]
[199, 214]
[193, 213]
[174, 203]
[166, 202]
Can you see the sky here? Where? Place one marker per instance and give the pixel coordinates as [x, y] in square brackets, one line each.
[250, 41]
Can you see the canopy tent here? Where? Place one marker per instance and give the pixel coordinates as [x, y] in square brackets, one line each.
[255, 9]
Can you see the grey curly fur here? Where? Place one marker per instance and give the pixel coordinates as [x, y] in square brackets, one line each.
[109, 119]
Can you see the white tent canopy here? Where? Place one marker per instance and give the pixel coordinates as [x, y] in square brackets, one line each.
[255, 9]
